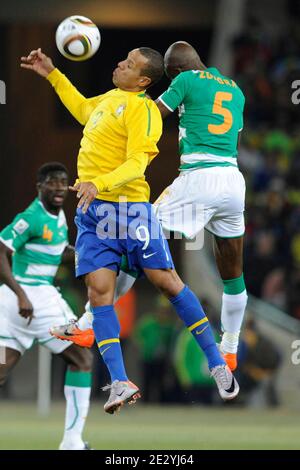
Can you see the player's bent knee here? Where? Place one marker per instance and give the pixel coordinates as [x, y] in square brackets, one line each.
[99, 296]
[84, 360]
[87, 360]
[167, 282]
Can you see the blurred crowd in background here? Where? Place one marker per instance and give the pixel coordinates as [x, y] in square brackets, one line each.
[265, 68]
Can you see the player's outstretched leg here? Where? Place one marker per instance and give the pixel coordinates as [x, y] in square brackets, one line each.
[229, 258]
[107, 331]
[106, 326]
[191, 313]
[81, 332]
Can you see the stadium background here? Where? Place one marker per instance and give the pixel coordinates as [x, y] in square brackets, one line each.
[258, 44]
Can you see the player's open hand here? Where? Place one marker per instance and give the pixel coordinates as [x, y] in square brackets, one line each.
[86, 192]
[25, 307]
[38, 62]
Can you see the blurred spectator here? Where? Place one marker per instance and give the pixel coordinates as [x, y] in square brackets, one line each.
[154, 335]
[273, 289]
[261, 261]
[259, 360]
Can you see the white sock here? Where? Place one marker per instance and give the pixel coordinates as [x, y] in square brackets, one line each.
[233, 309]
[77, 407]
[123, 284]
[86, 320]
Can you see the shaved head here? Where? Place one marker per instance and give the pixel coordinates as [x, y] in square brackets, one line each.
[181, 56]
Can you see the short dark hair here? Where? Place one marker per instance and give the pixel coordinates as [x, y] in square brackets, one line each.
[47, 168]
[154, 69]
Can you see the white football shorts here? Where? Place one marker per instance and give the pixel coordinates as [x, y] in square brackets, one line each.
[49, 309]
[211, 198]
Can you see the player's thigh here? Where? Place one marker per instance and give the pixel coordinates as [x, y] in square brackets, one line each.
[166, 281]
[77, 358]
[229, 256]
[95, 246]
[10, 358]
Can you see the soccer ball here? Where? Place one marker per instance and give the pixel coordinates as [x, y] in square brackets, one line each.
[77, 38]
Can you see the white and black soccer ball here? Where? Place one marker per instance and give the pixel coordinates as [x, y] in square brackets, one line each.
[77, 38]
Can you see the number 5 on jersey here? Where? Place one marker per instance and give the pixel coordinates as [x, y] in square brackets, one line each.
[219, 109]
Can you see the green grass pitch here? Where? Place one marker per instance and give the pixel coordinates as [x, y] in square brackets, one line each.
[154, 428]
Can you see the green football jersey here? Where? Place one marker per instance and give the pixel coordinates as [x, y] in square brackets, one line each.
[38, 240]
[210, 117]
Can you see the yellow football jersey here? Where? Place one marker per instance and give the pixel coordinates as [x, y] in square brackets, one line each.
[119, 140]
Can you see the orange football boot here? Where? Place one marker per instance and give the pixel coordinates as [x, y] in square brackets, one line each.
[71, 332]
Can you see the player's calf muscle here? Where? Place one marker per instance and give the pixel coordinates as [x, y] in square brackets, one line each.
[229, 257]
[166, 281]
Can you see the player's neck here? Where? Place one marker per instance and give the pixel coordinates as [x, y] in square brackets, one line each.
[49, 208]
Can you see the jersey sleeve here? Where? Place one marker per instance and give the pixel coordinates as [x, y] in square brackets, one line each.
[176, 92]
[22, 229]
[144, 128]
[143, 123]
[79, 106]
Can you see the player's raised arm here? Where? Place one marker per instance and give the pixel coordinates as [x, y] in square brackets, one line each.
[38, 62]
[78, 105]
[164, 111]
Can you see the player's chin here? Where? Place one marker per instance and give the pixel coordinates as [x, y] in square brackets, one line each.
[115, 80]
[57, 201]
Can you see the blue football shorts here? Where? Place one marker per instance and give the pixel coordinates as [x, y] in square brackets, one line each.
[109, 230]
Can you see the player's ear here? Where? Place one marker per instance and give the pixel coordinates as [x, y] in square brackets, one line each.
[38, 186]
[177, 71]
[144, 82]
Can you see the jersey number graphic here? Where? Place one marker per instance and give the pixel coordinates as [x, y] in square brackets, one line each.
[143, 235]
[218, 109]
